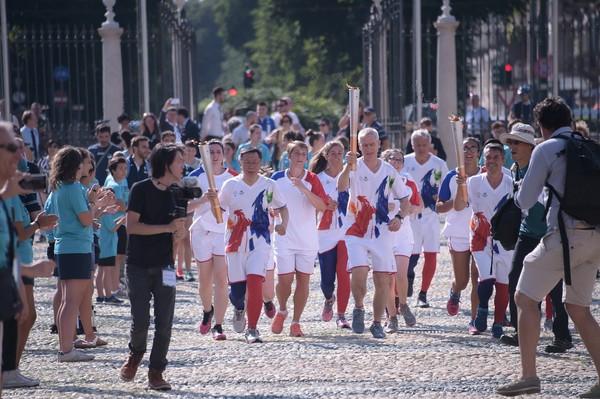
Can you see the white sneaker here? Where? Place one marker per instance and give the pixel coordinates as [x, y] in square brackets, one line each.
[239, 320]
[14, 379]
[74, 356]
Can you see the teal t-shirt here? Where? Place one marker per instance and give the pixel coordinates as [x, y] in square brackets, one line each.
[108, 239]
[266, 155]
[71, 236]
[534, 225]
[49, 209]
[20, 214]
[5, 229]
[234, 165]
[121, 192]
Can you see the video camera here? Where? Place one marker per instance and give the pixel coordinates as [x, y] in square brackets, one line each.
[181, 194]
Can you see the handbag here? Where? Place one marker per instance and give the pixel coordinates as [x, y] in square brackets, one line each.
[10, 300]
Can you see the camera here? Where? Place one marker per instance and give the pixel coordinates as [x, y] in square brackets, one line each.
[178, 212]
[35, 182]
[189, 191]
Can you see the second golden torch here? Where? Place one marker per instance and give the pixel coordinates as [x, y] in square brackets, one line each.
[457, 137]
[353, 102]
[210, 176]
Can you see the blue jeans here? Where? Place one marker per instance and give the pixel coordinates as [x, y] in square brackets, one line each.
[144, 284]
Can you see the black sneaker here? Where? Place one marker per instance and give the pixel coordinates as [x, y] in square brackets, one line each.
[53, 329]
[559, 346]
[422, 300]
[510, 339]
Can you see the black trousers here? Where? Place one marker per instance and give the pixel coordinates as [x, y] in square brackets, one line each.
[560, 325]
[9, 345]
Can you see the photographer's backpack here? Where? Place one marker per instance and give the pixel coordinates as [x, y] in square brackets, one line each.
[581, 198]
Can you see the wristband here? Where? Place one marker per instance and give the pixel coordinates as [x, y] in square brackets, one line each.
[39, 226]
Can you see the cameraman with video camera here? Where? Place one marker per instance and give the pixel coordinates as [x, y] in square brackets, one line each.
[155, 218]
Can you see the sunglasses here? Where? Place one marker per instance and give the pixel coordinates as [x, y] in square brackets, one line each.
[10, 147]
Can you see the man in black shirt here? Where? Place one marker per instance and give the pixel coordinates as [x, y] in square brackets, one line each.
[150, 270]
[437, 148]
[103, 152]
[138, 168]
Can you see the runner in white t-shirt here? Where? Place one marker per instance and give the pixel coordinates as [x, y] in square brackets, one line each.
[403, 244]
[208, 245]
[427, 170]
[247, 198]
[456, 229]
[486, 193]
[333, 255]
[371, 226]
[295, 253]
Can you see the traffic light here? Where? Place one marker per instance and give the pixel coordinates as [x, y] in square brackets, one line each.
[233, 91]
[507, 75]
[248, 77]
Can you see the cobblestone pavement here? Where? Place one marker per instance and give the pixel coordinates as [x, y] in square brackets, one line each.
[435, 359]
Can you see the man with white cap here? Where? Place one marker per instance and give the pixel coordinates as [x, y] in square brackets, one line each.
[533, 228]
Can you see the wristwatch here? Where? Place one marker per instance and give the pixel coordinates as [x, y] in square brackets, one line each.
[399, 216]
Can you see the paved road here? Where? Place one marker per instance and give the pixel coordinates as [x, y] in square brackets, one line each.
[435, 359]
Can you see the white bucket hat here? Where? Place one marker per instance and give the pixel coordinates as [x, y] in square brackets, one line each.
[521, 132]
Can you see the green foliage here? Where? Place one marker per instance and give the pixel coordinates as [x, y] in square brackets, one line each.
[235, 24]
[308, 108]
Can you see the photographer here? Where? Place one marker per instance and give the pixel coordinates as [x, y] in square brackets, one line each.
[150, 270]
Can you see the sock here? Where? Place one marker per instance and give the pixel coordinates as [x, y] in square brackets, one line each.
[500, 302]
[343, 278]
[428, 270]
[237, 295]
[484, 291]
[255, 283]
[549, 311]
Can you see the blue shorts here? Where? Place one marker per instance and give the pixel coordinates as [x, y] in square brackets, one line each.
[110, 261]
[74, 266]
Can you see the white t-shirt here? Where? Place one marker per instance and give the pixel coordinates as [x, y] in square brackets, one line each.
[405, 233]
[331, 223]
[484, 201]
[301, 232]
[457, 222]
[368, 213]
[248, 207]
[277, 118]
[203, 217]
[428, 177]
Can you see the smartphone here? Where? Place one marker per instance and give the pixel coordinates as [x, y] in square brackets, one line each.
[35, 182]
[175, 101]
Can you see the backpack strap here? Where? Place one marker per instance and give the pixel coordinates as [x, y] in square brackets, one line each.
[563, 232]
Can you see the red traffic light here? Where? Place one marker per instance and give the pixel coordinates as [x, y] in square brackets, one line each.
[233, 92]
[507, 67]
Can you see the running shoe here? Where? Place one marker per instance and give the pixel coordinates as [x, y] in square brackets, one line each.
[239, 320]
[74, 356]
[113, 299]
[472, 329]
[422, 300]
[189, 277]
[392, 325]
[481, 319]
[277, 325]
[409, 318]
[270, 310]
[559, 346]
[521, 387]
[497, 331]
[252, 336]
[342, 323]
[510, 339]
[296, 330]
[15, 379]
[100, 299]
[358, 320]
[327, 313]
[217, 333]
[206, 322]
[377, 330]
[593, 392]
[453, 304]
[179, 274]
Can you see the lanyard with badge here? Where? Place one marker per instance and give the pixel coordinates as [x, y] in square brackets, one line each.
[169, 279]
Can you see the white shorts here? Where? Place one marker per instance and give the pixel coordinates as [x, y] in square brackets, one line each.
[499, 270]
[289, 261]
[207, 244]
[459, 244]
[381, 251]
[240, 264]
[404, 241]
[271, 264]
[426, 233]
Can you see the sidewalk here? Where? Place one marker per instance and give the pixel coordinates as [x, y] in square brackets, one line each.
[435, 359]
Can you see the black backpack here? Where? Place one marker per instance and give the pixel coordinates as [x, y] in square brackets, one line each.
[506, 222]
[580, 199]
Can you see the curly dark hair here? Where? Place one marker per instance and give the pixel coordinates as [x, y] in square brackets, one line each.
[65, 165]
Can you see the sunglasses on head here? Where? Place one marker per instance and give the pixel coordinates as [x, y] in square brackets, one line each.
[11, 147]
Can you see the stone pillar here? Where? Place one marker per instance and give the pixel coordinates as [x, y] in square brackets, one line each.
[112, 68]
[446, 26]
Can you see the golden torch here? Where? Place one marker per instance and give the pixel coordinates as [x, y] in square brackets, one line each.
[353, 101]
[457, 137]
[210, 176]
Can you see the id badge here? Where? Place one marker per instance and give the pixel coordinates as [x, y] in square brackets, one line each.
[168, 278]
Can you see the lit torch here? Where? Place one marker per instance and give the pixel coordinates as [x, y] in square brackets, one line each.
[457, 137]
[210, 176]
[353, 100]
